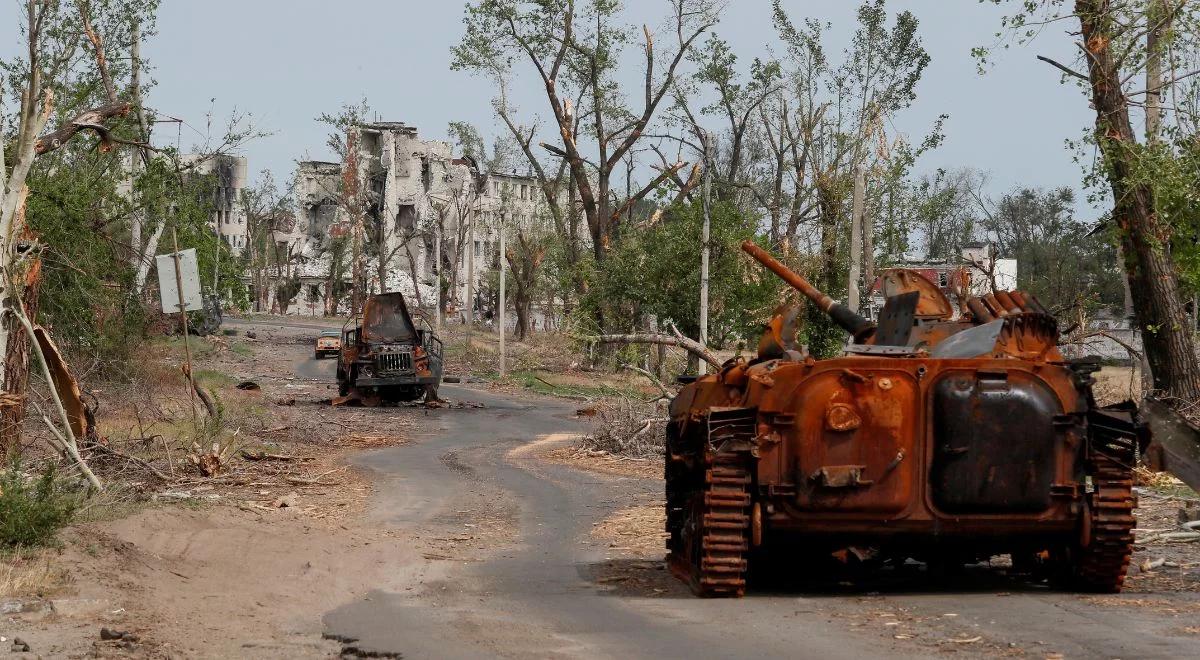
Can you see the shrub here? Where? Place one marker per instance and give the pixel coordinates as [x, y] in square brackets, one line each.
[32, 511]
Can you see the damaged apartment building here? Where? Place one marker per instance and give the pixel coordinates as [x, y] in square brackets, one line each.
[414, 195]
[228, 176]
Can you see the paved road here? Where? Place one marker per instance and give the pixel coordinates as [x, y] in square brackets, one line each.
[538, 592]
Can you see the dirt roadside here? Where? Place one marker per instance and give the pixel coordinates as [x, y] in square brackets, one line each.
[242, 564]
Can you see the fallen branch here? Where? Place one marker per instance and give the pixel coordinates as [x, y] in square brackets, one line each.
[263, 456]
[87, 120]
[205, 397]
[66, 436]
[316, 481]
[132, 459]
[666, 394]
[690, 345]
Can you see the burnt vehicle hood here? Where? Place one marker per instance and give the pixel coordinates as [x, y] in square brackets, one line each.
[386, 321]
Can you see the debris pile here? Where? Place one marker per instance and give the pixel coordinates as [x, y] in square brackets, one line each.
[626, 429]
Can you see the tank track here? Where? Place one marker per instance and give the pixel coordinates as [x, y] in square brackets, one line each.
[1104, 560]
[709, 545]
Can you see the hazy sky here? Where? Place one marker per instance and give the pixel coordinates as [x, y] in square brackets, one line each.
[286, 61]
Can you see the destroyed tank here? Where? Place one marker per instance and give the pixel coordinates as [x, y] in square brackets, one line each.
[940, 435]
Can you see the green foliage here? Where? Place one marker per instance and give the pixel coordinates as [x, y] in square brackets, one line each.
[87, 287]
[1172, 171]
[656, 270]
[31, 513]
[84, 283]
[823, 337]
[340, 122]
[1057, 260]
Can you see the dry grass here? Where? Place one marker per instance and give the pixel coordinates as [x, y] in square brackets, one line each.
[361, 441]
[30, 573]
[639, 530]
[600, 463]
[1116, 384]
[1144, 476]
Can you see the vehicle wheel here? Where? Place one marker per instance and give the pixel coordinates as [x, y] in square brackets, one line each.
[317, 355]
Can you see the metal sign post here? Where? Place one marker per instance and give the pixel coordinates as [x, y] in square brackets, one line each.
[185, 300]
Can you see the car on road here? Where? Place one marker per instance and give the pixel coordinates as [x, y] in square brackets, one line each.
[329, 342]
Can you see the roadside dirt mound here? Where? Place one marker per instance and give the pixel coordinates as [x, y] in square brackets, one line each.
[171, 577]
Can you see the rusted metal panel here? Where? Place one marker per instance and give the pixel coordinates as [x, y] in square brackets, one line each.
[988, 446]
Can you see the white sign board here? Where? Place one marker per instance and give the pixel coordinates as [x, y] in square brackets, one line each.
[189, 275]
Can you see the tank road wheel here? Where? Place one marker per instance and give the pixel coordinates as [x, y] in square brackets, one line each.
[1106, 542]
[714, 537]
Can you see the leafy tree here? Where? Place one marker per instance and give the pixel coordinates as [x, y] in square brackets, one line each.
[1135, 54]
[1057, 260]
[656, 270]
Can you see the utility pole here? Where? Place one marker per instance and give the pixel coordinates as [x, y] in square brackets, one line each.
[437, 270]
[704, 240]
[1158, 19]
[868, 241]
[856, 240]
[217, 260]
[502, 300]
[470, 301]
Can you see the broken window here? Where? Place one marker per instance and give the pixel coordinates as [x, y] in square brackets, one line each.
[370, 142]
[406, 217]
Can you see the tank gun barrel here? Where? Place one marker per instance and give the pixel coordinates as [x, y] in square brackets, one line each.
[841, 314]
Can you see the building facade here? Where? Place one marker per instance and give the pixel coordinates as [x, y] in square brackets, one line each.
[229, 176]
[413, 196]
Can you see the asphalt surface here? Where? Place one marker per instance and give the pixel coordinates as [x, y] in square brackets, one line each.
[537, 593]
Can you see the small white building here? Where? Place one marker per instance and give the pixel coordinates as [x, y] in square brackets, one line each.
[977, 267]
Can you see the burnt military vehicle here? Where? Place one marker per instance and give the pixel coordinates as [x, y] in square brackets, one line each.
[386, 356]
[942, 436]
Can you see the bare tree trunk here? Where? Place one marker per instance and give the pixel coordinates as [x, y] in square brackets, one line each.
[16, 359]
[856, 242]
[829, 204]
[412, 268]
[137, 218]
[1149, 267]
[694, 348]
